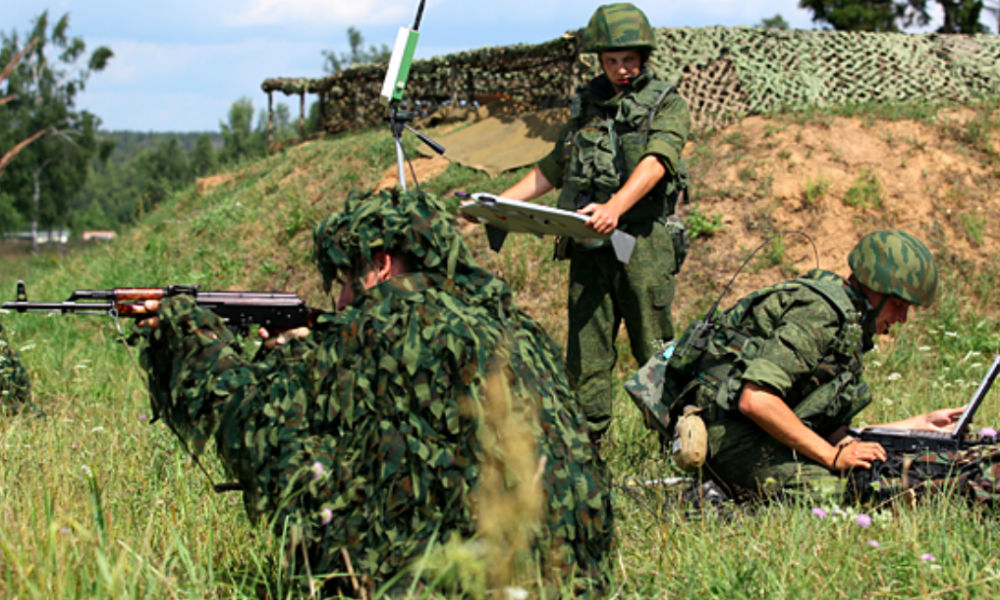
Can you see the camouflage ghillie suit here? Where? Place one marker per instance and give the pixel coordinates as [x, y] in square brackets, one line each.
[365, 436]
[608, 133]
[15, 387]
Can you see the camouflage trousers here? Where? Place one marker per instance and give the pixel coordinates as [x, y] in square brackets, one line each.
[750, 464]
[603, 292]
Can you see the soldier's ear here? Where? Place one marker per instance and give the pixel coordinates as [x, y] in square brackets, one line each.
[383, 265]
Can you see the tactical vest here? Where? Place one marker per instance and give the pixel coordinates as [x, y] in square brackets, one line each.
[606, 141]
[710, 358]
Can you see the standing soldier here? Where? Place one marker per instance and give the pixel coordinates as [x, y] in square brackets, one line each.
[618, 159]
[369, 437]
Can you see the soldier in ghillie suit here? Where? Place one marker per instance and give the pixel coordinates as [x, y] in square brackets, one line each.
[777, 379]
[365, 439]
[15, 387]
[618, 159]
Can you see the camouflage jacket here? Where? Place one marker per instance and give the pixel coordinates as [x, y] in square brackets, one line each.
[368, 434]
[15, 387]
[801, 338]
[608, 134]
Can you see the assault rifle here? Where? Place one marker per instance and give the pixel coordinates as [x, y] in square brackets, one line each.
[275, 311]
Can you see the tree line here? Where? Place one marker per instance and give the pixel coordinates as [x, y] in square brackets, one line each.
[58, 170]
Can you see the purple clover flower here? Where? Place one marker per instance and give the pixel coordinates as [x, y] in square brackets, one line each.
[863, 520]
[326, 515]
[819, 512]
[317, 469]
[927, 557]
[988, 432]
[875, 543]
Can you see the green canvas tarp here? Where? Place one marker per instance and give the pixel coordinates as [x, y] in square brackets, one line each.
[501, 142]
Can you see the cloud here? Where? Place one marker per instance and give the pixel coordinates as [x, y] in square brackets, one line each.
[185, 86]
[151, 65]
[324, 12]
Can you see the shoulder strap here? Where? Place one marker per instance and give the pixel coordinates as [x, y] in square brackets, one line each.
[648, 123]
[830, 291]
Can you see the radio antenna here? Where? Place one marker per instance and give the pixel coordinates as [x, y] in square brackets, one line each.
[393, 86]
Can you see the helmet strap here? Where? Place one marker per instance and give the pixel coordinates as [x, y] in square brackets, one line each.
[870, 313]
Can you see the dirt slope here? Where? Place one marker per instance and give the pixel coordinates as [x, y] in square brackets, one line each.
[939, 180]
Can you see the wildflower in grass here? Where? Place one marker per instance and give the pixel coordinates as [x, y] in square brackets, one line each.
[875, 543]
[97, 429]
[325, 515]
[143, 417]
[87, 471]
[924, 348]
[65, 530]
[819, 512]
[515, 593]
[951, 334]
[894, 376]
[317, 469]
[863, 520]
[927, 557]
[988, 432]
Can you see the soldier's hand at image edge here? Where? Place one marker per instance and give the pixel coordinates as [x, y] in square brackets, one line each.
[152, 307]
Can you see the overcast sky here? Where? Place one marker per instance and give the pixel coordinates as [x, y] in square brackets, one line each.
[179, 65]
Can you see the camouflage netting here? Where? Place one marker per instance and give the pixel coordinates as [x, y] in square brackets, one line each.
[724, 73]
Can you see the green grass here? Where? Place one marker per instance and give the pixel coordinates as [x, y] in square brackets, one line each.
[865, 192]
[815, 190]
[97, 502]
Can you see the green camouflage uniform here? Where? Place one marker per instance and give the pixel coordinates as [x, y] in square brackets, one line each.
[803, 339]
[15, 387]
[606, 137]
[364, 436]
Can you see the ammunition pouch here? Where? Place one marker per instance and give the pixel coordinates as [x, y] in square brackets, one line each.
[563, 248]
[690, 444]
[679, 236]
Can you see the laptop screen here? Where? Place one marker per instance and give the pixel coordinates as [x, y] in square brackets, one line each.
[977, 398]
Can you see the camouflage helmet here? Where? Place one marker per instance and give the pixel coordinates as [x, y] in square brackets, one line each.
[618, 26]
[413, 224]
[896, 263]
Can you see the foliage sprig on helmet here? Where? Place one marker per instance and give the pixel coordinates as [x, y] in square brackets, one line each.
[413, 224]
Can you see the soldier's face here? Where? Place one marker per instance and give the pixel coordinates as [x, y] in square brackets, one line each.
[621, 66]
[894, 311]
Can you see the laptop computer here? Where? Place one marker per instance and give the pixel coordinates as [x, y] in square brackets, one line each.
[917, 439]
